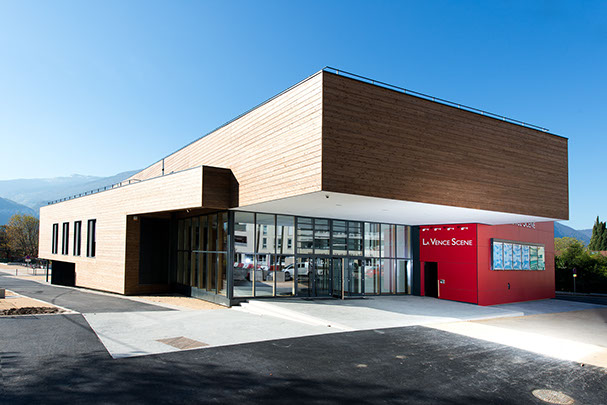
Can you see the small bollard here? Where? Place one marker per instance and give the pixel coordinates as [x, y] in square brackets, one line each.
[2, 293]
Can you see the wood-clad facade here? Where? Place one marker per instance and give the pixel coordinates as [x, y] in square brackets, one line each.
[423, 151]
[327, 134]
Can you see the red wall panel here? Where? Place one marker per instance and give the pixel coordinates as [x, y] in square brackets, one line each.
[463, 254]
[453, 247]
[525, 285]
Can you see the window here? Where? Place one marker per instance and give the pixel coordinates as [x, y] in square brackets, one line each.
[91, 238]
[77, 237]
[65, 241]
[55, 241]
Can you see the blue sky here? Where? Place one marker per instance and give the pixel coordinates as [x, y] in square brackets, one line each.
[101, 87]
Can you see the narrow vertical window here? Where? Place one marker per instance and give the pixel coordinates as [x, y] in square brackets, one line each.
[77, 237]
[90, 238]
[55, 241]
[65, 238]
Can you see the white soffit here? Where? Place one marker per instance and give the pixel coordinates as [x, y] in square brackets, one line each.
[355, 207]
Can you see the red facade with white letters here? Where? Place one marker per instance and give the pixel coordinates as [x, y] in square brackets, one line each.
[463, 256]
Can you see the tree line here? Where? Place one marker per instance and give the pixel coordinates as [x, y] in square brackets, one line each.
[598, 241]
[19, 238]
[589, 264]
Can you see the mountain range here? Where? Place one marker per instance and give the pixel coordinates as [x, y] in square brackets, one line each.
[26, 196]
[582, 235]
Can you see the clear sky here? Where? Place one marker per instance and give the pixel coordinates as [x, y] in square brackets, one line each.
[100, 87]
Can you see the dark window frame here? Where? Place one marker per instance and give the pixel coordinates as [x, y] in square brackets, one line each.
[77, 249]
[91, 238]
[55, 240]
[65, 238]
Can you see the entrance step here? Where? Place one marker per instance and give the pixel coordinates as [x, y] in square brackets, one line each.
[264, 308]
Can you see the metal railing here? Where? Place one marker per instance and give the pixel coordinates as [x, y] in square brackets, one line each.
[94, 191]
[431, 98]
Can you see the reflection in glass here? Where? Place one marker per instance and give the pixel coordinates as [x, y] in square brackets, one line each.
[204, 232]
[285, 226]
[388, 244]
[400, 241]
[372, 276]
[265, 233]
[212, 241]
[321, 236]
[355, 270]
[303, 280]
[202, 271]
[340, 238]
[264, 287]
[403, 277]
[211, 272]
[243, 266]
[387, 276]
[194, 269]
[221, 273]
[244, 232]
[284, 273]
[372, 239]
[305, 235]
[355, 238]
[322, 273]
[336, 277]
[222, 232]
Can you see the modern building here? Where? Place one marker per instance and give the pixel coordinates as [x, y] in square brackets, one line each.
[339, 186]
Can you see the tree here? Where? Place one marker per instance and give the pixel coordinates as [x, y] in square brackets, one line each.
[5, 250]
[598, 241]
[22, 232]
[591, 269]
[561, 244]
[603, 242]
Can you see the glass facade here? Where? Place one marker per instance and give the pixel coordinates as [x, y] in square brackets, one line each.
[202, 248]
[280, 255]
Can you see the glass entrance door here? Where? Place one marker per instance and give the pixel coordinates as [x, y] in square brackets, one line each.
[338, 277]
[355, 274]
[322, 273]
[313, 277]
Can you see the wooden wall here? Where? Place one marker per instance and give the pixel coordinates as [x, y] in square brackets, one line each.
[274, 151]
[382, 143]
[107, 271]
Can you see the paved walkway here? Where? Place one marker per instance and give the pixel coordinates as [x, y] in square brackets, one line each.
[126, 327]
[140, 333]
[78, 300]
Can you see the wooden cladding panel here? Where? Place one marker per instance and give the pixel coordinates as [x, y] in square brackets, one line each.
[381, 143]
[111, 268]
[219, 188]
[274, 151]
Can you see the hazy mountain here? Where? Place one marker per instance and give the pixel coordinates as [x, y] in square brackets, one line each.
[561, 231]
[9, 208]
[35, 193]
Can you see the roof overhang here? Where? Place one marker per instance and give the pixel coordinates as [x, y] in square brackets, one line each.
[354, 207]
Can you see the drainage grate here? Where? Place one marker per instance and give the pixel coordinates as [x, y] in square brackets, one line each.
[553, 397]
[182, 343]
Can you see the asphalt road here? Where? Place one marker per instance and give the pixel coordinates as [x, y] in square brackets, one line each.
[590, 299]
[82, 301]
[57, 359]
